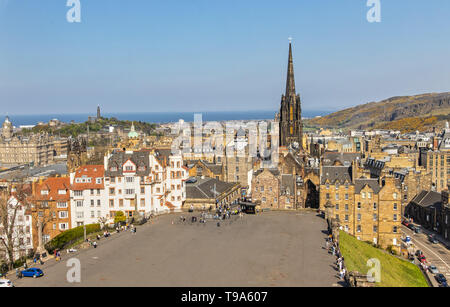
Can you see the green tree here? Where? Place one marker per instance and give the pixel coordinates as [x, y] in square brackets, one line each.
[119, 217]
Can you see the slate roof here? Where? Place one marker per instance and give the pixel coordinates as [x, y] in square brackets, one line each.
[274, 171]
[346, 158]
[207, 188]
[139, 158]
[336, 174]
[372, 183]
[428, 199]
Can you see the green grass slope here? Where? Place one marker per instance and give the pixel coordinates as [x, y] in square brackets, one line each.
[395, 272]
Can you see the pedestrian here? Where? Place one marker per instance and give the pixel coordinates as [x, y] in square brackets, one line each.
[95, 244]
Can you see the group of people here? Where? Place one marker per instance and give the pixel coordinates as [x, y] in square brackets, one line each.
[333, 248]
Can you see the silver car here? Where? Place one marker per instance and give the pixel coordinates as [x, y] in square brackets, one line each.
[433, 269]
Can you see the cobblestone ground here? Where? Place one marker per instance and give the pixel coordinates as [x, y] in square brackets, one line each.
[271, 249]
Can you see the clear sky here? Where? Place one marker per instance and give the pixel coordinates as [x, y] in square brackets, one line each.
[213, 55]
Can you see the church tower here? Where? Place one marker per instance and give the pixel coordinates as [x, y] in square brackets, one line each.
[7, 128]
[291, 128]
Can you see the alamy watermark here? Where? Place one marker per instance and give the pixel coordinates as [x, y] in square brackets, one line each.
[374, 273]
[374, 13]
[74, 13]
[74, 273]
[252, 139]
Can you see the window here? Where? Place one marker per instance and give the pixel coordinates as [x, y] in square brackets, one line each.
[98, 203]
[63, 214]
[374, 206]
[111, 202]
[375, 228]
[98, 180]
[92, 203]
[395, 206]
[92, 214]
[142, 202]
[394, 230]
[79, 203]
[111, 191]
[363, 195]
[394, 195]
[78, 193]
[374, 217]
[129, 179]
[359, 216]
[337, 206]
[346, 207]
[369, 195]
[80, 215]
[358, 228]
[61, 204]
[346, 196]
[143, 190]
[395, 217]
[359, 205]
[62, 192]
[346, 217]
[129, 191]
[44, 192]
[337, 196]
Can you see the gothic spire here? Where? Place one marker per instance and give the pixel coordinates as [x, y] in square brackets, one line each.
[290, 82]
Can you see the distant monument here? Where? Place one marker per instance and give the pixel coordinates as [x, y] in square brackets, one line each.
[98, 112]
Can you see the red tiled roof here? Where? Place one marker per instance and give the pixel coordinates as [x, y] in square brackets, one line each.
[89, 171]
[53, 185]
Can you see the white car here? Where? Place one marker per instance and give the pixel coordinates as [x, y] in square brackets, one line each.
[6, 283]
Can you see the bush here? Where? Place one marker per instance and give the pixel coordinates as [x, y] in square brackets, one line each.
[70, 236]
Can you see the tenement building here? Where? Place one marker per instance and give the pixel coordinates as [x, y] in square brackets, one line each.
[369, 209]
[144, 182]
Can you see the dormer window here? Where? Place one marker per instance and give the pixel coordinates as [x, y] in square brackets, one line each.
[62, 192]
[44, 192]
[129, 168]
[113, 169]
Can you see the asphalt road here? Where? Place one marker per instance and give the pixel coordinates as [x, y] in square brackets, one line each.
[271, 249]
[436, 254]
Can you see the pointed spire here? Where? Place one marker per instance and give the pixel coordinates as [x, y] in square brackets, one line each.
[290, 82]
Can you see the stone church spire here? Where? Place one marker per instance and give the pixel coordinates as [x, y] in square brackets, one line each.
[290, 123]
[290, 80]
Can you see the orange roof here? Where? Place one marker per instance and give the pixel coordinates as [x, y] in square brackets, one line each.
[53, 185]
[92, 172]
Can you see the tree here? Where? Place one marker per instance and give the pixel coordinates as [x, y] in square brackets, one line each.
[119, 217]
[13, 202]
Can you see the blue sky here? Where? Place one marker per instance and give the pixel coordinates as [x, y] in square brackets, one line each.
[212, 55]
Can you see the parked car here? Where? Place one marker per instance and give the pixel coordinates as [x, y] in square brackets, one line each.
[418, 252]
[411, 226]
[417, 230]
[433, 239]
[32, 272]
[6, 283]
[440, 278]
[433, 269]
[405, 222]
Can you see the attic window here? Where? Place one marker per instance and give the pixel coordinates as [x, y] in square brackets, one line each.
[113, 169]
[62, 192]
[44, 192]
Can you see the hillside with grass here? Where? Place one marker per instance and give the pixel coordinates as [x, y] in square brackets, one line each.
[406, 113]
[395, 272]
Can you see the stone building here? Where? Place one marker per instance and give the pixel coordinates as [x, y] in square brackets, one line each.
[203, 168]
[205, 193]
[438, 166]
[274, 190]
[369, 209]
[38, 149]
[431, 210]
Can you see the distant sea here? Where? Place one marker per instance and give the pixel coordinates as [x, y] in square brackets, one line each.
[155, 117]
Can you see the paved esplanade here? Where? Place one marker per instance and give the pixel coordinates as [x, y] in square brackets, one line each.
[271, 249]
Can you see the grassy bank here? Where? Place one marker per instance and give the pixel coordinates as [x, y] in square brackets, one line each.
[395, 272]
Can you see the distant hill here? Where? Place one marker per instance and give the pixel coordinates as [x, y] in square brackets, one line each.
[405, 113]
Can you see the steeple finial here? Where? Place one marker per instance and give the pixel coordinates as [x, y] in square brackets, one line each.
[290, 82]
